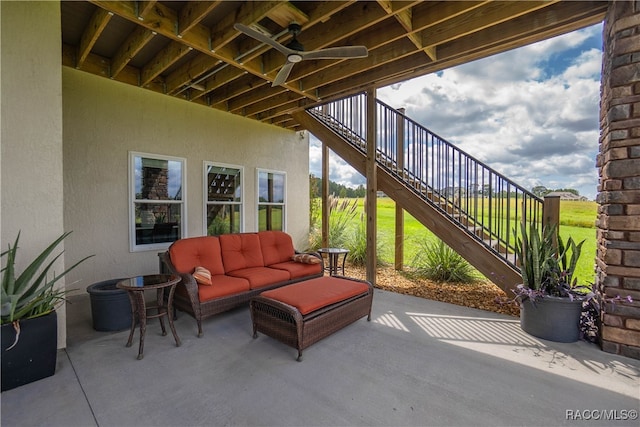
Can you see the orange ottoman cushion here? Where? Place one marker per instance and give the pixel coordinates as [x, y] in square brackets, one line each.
[314, 294]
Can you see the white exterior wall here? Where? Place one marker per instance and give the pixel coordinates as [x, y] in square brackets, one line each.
[31, 183]
[104, 120]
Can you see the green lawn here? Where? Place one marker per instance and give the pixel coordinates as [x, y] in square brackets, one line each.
[577, 219]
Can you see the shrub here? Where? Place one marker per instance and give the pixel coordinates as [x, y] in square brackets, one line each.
[357, 245]
[341, 218]
[438, 262]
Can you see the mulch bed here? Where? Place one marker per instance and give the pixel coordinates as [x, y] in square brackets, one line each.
[482, 295]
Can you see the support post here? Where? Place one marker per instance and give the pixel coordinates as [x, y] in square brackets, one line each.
[372, 187]
[551, 212]
[551, 215]
[399, 255]
[325, 195]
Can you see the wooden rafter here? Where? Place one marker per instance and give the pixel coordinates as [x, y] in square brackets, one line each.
[97, 23]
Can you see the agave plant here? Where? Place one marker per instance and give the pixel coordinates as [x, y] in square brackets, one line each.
[32, 293]
[547, 264]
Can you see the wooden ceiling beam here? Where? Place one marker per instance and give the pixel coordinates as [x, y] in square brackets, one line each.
[238, 87]
[189, 72]
[248, 13]
[478, 19]
[100, 66]
[220, 77]
[283, 102]
[284, 109]
[143, 8]
[192, 13]
[239, 105]
[428, 14]
[130, 48]
[97, 24]
[163, 60]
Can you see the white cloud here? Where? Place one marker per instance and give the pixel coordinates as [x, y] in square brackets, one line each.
[531, 113]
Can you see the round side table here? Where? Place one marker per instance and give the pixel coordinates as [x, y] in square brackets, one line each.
[135, 287]
[333, 255]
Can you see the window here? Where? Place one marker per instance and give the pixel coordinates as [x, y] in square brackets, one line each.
[156, 200]
[271, 200]
[223, 198]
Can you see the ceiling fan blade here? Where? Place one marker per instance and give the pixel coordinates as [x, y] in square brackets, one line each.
[262, 38]
[337, 52]
[283, 74]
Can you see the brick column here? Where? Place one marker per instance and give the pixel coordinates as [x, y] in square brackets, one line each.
[618, 224]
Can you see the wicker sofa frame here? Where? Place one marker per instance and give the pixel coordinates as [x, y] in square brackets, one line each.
[286, 324]
[201, 310]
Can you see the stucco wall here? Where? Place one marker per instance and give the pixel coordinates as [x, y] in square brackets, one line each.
[104, 120]
[31, 148]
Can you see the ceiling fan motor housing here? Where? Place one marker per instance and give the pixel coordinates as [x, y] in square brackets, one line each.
[294, 44]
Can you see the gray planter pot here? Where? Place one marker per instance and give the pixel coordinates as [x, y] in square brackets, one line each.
[551, 318]
[110, 306]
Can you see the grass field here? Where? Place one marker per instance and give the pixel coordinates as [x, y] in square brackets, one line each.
[577, 219]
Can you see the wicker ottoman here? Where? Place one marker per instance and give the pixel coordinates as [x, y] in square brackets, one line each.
[301, 314]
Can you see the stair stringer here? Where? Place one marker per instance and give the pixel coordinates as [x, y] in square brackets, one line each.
[474, 251]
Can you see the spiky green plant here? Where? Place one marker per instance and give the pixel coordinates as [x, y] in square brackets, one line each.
[32, 293]
[438, 262]
[547, 264]
[536, 252]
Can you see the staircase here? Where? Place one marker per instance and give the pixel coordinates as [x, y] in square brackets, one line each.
[471, 207]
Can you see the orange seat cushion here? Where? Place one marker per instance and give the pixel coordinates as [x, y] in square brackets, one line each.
[277, 246]
[222, 286]
[189, 253]
[298, 269]
[260, 277]
[315, 294]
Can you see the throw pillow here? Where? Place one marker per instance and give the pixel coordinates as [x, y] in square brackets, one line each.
[202, 276]
[306, 259]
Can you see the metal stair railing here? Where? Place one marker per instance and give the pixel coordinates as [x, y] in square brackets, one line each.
[480, 201]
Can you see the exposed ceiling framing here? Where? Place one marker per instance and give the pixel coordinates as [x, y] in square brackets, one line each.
[190, 50]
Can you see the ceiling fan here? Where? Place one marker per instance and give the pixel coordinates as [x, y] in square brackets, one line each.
[294, 51]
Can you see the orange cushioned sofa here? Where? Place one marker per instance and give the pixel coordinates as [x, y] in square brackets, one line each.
[236, 267]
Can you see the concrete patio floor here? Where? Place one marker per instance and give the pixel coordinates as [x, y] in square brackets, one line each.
[417, 363]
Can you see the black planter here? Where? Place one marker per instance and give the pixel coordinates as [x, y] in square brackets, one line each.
[34, 356]
[552, 318]
[110, 306]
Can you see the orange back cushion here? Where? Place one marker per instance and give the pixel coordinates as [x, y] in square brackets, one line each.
[189, 253]
[240, 251]
[277, 247]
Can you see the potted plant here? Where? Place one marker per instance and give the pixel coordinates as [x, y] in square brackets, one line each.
[29, 322]
[550, 298]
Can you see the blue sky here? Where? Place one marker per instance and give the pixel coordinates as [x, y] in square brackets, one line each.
[530, 113]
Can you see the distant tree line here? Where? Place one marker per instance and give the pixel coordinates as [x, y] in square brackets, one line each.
[339, 190]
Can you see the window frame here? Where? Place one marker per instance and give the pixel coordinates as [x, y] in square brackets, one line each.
[133, 245]
[205, 197]
[284, 197]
